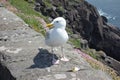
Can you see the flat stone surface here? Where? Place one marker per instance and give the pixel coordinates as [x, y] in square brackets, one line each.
[30, 59]
[60, 76]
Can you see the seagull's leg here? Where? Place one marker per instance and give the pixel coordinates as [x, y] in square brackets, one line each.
[63, 58]
[54, 61]
[52, 50]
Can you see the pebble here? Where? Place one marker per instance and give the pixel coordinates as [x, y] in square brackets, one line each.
[1, 5]
[15, 51]
[48, 69]
[75, 79]
[4, 18]
[40, 79]
[29, 41]
[60, 76]
[73, 74]
[2, 48]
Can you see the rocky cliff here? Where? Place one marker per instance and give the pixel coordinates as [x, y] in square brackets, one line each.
[84, 20]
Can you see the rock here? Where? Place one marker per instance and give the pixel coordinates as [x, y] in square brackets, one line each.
[37, 6]
[84, 44]
[1, 5]
[111, 42]
[5, 74]
[33, 60]
[113, 63]
[30, 1]
[104, 19]
[102, 54]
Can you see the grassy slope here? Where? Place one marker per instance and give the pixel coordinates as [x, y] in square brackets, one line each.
[26, 12]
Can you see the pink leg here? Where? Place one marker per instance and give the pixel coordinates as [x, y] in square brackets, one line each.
[63, 58]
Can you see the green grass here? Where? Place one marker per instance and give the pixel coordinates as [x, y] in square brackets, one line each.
[75, 42]
[28, 14]
[93, 53]
[61, 8]
[24, 7]
[47, 3]
[35, 24]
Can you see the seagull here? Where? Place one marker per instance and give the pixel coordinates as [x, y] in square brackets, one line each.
[57, 36]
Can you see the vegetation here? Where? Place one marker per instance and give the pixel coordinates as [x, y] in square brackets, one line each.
[28, 14]
[47, 3]
[75, 42]
[100, 66]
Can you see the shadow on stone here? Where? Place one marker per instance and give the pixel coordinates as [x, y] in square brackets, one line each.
[43, 59]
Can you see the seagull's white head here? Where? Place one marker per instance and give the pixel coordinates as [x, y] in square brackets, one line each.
[58, 22]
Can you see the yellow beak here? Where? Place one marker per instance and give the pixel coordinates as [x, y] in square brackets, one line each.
[49, 25]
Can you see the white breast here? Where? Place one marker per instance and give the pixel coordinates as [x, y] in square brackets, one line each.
[56, 37]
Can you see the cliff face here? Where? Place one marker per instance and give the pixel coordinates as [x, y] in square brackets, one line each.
[83, 19]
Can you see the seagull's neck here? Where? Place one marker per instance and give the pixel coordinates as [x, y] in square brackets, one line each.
[60, 28]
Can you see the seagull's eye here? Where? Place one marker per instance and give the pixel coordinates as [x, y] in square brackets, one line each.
[57, 21]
